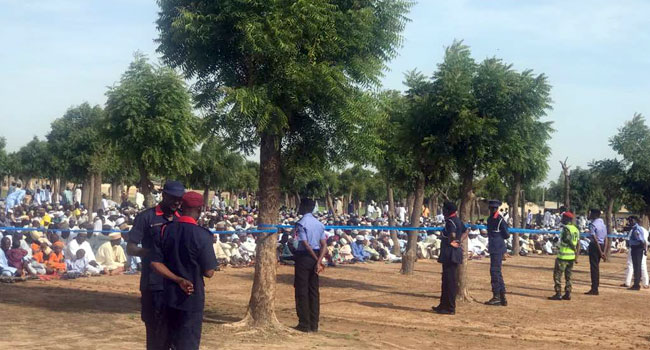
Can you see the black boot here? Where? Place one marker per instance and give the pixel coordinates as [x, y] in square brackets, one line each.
[566, 296]
[504, 302]
[557, 296]
[494, 301]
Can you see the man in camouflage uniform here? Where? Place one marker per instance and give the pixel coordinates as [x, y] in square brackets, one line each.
[567, 255]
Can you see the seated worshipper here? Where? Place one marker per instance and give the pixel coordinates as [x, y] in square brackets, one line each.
[475, 247]
[367, 247]
[333, 248]
[222, 258]
[80, 242]
[345, 251]
[6, 270]
[55, 261]
[359, 253]
[81, 264]
[111, 255]
[548, 246]
[285, 252]
[16, 256]
[248, 247]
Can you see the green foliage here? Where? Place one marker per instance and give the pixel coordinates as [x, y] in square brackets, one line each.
[290, 68]
[633, 142]
[609, 176]
[5, 170]
[150, 120]
[74, 140]
[32, 160]
[214, 166]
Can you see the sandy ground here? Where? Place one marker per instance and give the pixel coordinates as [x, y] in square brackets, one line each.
[364, 306]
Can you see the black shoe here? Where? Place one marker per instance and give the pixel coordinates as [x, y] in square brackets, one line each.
[301, 328]
[566, 296]
[445, 312]
[592, 292]
[494, 301]
[634, 288]
[436, 308]
[504, 301]
[313, 329]
[555, 297]
[624, 285]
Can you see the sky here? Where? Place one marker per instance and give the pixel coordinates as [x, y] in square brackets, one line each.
[60, 53]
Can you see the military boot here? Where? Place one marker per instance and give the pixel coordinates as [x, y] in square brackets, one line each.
[566, 296]
[557, 296]
[504, 302]
[496, 300]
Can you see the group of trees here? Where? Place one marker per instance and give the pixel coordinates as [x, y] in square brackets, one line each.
[299, 81]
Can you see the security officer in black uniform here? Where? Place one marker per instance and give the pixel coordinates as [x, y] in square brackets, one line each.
[308, 257]
[145, 230]
[451, 255]
[183, 256]
[497, 234]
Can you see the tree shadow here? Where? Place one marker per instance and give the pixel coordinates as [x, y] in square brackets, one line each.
[392, 306]
[65, 299]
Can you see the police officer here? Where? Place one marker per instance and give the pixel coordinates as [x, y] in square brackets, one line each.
[183, 256]
[308, 256]
[598, 232]
[497, 234]
[567, 255]
[145, 230]
[451, 255]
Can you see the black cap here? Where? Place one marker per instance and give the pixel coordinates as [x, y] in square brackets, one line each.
[174, 188]
[494, 203]
[450, 207]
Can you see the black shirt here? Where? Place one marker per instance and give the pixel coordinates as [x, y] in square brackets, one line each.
[186, 249]
[145, 231]
[454, 229]
[497, 228]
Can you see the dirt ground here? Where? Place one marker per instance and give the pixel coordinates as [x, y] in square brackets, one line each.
[363, 306]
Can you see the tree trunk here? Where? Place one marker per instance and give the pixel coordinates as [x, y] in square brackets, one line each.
[610, 225]
[391, 219]
[516, 192]
[465, 204]
[97, 192]
[330, 203]
[524, 216]
[146, 186]
[116, 191]
[91, 194]
[261, 307]
[410, 201]
[408, 259]
[206, 197]
[85, 192]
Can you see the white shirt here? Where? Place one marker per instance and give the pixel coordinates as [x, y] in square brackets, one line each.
[401, 213]
[73, 246]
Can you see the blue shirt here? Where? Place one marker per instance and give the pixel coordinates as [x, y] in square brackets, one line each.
[598, 230]
[310, 230]
[636, 236]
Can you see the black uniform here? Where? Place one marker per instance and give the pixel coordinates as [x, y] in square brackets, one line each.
[186, 249]
[145, 231]
[497, 228]
[450, 258]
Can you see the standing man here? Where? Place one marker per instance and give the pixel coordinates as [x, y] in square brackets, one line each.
[497, 234]
[566, 256]
[598, 232]
[183, 256]
[309, 264]
[638, 248]
[451, 255]
[145, 230]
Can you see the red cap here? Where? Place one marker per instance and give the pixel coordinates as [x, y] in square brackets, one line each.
[569, 215]
[192, 200]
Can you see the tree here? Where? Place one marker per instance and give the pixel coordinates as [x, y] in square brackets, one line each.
[32, 160]
[4, 160]
[150, 122]
[633, 142]
[74, 139]
[567, 184]
[281, 75]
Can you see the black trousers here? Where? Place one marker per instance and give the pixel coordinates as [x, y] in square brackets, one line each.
[184, 328]
[496, 278]
[594, 264]
[449, 286]
[637, 256]
[306, 289]
[152, 315]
